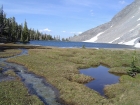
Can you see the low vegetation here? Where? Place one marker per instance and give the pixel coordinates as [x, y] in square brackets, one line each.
[0, 70]
[79, 78]
[13, 92]
[9, 53]
[10, 72]
[134, 68]
[61, 67]
[126, 92]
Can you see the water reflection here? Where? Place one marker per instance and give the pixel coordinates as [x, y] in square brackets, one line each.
[102, 78]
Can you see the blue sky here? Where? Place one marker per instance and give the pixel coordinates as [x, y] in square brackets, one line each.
[63, 17]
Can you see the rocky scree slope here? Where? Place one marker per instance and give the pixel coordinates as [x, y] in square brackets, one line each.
[124, 27]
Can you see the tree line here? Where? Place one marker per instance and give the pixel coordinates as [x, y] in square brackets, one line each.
[11, 31]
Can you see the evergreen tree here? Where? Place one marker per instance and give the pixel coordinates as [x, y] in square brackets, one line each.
[37, 35]
[20, 28]
[11, 31]
[21, 38]
[7, 30]
[2, 22]
[25, 33]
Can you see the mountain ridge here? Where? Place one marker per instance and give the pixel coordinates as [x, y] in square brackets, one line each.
[122, 28]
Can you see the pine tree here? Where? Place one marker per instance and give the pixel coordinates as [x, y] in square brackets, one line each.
[2, 22]
[6, 32]
[21, 38]
[20, 28]
[13, 28]
[11, 31]
[25, 33]
[37, 35]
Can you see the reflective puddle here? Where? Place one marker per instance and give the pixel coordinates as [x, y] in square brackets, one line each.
[102, 77]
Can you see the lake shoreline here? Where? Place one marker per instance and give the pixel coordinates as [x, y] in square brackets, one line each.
[64, 74]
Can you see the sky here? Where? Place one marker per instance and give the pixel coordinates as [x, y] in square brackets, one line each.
[64, 18]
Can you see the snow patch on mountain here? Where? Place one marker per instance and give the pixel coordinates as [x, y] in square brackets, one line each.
[94, 38]
[115, 40]
[131, 42]
[133, 16]
[123, 28]
[137, 45]
[134, 42]
[138, 19]
[131, 30]
[111, 26]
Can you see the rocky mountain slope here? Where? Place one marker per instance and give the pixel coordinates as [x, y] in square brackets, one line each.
[124, 27]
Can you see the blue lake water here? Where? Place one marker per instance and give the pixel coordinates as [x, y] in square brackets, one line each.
[102, 77]
[78, 44]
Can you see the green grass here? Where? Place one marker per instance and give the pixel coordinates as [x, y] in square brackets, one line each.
[10, 72]
[61, 67]
[79, 78]
[20, 46]
[126, 92]
[9, 52]
[13, 92]
[119, 70]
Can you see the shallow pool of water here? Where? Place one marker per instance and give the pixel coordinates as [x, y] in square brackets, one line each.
[102, 77]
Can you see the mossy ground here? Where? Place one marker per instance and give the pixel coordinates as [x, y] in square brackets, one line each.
[60, 68]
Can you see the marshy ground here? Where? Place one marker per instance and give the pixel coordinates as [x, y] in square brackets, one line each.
[12, 90]
[60, 67]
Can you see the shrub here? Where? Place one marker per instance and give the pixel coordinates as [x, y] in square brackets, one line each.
[83, 47]
[134, 69]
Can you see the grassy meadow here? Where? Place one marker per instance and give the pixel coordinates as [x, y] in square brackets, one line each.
[13, 92]
[60, 67]
[9, 53]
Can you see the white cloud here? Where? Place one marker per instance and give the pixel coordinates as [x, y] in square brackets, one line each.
[64, 31]
[45, 30]
[76, 33]
[91, 12]
[72, 32]
[43, 8]
[122, 2]
[79, 32]
[87, 3]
